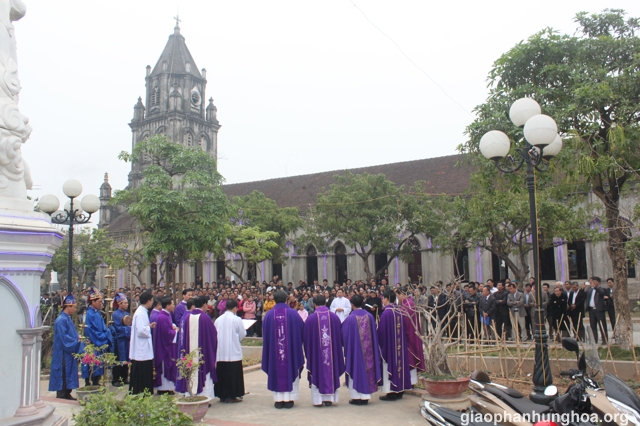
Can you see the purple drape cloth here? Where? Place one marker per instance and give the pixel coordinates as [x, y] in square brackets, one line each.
[164, 350]
[393, 348]
[323, 349]
[208, 344]
[412, 328]
[282, 357]
[360, 343]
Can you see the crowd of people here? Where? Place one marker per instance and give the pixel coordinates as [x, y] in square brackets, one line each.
[333, 327]
[505, 311]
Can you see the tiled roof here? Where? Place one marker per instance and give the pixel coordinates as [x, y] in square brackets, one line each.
[440, 174]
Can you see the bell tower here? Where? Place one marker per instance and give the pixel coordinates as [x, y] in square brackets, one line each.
[175, 103]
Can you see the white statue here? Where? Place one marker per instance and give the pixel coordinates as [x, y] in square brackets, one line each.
[15, 177]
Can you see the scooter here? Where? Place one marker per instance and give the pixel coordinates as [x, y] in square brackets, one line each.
[438, 415]
[616, 404]
[507, 404]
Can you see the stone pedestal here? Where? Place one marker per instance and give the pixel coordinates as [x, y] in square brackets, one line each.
[27, 243]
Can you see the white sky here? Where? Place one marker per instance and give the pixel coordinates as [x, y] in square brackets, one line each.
[301, 86]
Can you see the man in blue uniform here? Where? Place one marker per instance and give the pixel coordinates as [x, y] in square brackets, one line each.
[122, 335]
[96, 331]
[66, 343]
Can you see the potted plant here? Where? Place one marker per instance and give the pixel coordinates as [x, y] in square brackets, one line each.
[437, 331]
[91, 356]
[194, 405]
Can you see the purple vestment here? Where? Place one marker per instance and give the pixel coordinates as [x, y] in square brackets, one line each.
[282, 357]
[207, 343]
[412, 328]
[393, 348]
[360, 342]
[164, 350]
[323, 349]
[179, 312]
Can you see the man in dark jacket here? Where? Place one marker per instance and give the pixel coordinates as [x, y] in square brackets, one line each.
[471, 311]
[575, 301]
[503, 324]
[611, 309]
[596, 305]
[487, 306]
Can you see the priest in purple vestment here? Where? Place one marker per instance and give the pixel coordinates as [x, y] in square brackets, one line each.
[396, 371]
[282, 357]
[197, 332]
[165, 349]
[361, 350]
[181, 309]
[323, 348]
[413, 330]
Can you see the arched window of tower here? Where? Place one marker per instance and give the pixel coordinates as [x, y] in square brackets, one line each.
[155, 96]
[189, 140]
[204, 143]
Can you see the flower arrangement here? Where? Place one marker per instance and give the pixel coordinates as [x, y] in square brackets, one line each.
[188, 365]
[95, 357]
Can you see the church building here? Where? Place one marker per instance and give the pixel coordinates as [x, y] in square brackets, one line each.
[174, 105]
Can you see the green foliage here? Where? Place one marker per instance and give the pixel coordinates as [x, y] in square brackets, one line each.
[589, 83]
[91, 248]
[179, 203]
[264, 214]
[251, 244]
[369, 213]
[143, 409]
[498, 220]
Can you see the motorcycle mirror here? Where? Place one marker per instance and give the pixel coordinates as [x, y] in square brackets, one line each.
[480, 376]
[551, 390]
[582, 363]
[570, 344]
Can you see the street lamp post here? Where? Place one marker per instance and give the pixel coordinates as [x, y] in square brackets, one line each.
[542, 143]
[70, 215]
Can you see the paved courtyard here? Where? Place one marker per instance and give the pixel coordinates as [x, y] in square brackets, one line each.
[257, 408]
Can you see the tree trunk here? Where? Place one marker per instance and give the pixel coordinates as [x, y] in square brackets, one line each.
[615, 248]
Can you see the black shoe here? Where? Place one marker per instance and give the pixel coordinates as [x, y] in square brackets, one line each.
[400, 395]
[355, 401]
[388, 397]
[69, 397]
[61, 394]
[233, 400]
[364, 402]
[327, 403]
[278, 405]
[118, 384]
[288, 404]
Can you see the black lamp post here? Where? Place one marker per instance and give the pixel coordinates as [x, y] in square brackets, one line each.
[71, 215]
[542, 143]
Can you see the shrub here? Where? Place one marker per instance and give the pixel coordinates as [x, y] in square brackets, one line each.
[134, 410]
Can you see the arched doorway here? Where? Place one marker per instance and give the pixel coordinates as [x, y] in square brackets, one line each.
[461, 265]
[499, 268]
[380, 261]
[340, 252]
[312, 264]
[415, 266]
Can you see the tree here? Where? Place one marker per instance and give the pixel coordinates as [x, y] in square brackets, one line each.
[588, 83]
[262, 213]
[179, 203]
[91, 248]
[131, 255]
[496, 218]
[251, 245]
[367, 212]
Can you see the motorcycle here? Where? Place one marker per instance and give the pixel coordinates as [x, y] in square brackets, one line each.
[616, 404]
[507, 404]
